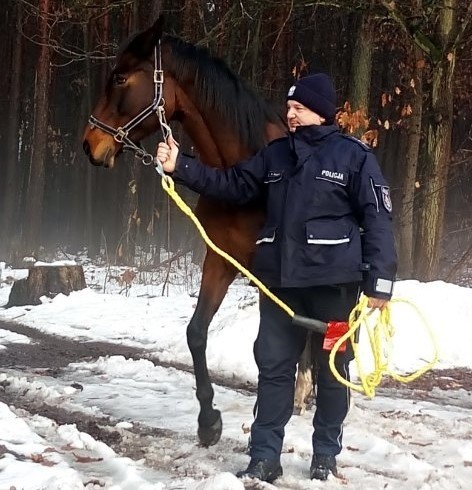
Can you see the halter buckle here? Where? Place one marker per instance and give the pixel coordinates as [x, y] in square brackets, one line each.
[120, 135]
[159, 76]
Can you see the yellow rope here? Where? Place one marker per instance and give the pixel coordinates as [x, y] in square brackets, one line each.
[380, 335]
[169, 186]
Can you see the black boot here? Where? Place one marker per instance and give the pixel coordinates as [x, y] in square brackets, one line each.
[321, 466]
[263, 469]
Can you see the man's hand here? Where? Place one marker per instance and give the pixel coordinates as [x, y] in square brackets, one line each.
[167, 154]
[377, 303]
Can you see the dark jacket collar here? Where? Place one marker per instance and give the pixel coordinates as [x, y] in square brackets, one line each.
[305, 138]
[311, 134]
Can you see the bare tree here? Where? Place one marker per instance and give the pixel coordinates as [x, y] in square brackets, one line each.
[361, 68]
[36, 179]
[408, 186]
[12, 188]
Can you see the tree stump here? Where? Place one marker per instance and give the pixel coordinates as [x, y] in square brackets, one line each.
[46, 280]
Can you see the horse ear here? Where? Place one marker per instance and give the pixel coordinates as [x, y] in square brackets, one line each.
[158, 27]
[154, 33]
[143, 44]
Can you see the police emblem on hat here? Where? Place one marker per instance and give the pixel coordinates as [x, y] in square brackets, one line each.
[291, 90]
[387, 202]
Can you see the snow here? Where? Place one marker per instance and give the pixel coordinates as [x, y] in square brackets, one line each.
[56, 263]
[392, 441]
[7, 337]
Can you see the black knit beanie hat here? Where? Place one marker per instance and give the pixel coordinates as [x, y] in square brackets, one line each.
[317, 93]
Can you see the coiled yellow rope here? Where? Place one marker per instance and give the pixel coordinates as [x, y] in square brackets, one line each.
[380, 334]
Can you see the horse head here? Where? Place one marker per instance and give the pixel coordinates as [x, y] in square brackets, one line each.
[135, 92]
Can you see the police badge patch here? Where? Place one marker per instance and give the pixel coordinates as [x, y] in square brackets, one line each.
[387, 202]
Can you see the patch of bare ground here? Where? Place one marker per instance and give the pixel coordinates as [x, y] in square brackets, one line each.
[443, 379]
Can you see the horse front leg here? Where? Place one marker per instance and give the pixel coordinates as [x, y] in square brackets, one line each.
[304, 380]
[217, 276]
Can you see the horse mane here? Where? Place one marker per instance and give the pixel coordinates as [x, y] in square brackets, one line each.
[220, 89]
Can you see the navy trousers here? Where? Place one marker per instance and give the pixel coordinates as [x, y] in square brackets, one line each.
[277, 349]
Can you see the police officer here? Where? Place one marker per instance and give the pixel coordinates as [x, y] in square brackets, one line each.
[327, 237]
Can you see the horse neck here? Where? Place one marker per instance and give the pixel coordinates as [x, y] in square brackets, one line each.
[198, 130]
[217, 143]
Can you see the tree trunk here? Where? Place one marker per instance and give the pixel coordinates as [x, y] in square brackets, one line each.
[438, 152]
[92, 237]
[255, 51]
[46, 281]
[276, 74]
[10, 199]
[191, 20]
[35, 186]
[406, 217]
[361, 70]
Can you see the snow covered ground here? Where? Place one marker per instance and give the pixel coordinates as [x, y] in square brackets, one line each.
[393, 441]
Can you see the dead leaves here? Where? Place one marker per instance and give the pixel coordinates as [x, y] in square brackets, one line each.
[40, 459]
[406, 110]
[371, 137]
[385, 99]
[396, 108]
[86, 459]
[352, 121]
[127, 277]
[355, 122]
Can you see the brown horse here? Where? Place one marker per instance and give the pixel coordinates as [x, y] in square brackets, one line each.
[160, 78]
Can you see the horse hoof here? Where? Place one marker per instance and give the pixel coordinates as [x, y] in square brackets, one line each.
[210, 435]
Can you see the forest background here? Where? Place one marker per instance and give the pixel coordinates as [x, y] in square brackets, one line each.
[403, 71]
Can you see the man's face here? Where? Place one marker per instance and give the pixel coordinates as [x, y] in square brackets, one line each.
[300, 115]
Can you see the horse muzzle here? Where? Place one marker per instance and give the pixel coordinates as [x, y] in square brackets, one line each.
[102, 153]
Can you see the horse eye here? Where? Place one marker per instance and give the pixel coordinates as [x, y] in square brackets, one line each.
[119, 79]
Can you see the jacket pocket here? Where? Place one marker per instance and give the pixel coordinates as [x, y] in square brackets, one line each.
[266, 235]
[326, 233]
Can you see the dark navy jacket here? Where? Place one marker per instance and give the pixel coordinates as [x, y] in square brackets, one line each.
[322, 189]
